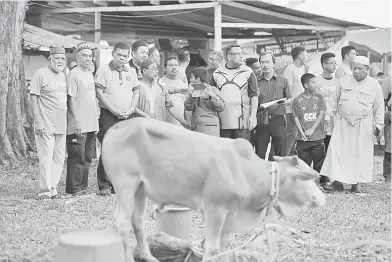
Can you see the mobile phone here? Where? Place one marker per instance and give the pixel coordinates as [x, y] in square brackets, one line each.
[198, 89]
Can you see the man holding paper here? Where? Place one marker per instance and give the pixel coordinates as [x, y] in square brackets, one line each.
[274, 89]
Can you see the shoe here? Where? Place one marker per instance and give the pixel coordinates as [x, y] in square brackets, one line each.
[388, 180]
[44, 197]
[354, 189]
[58, 196]
[335, 186]
[105, 192]
[80, 193]
[112, 190]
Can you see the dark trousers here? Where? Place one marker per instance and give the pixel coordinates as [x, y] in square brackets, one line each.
[327, 139]
[387, 165]
[312, 151]
[235, 133]
[80, 155]
[291, 136]
[106, 121]
[276, 129]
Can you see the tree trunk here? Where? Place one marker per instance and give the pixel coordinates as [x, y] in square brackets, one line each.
[15, 119]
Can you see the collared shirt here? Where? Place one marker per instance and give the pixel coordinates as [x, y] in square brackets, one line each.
[137, 70]
[342, 71]
[275, 88]
[118, 86]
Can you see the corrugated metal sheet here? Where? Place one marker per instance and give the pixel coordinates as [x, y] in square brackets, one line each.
[40, 39]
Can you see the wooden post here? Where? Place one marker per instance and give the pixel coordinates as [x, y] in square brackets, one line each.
[97, 37]
[218, 26]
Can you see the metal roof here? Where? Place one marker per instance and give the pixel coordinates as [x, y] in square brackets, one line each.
[39, 39]
[127, 20]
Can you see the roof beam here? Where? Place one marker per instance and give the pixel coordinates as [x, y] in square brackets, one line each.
[154, 2]
[101, 3]
[127, 2]
[186, 23]
[281, 26]
[55, 4]
[76, 4]
[135, 8]
[276, 14]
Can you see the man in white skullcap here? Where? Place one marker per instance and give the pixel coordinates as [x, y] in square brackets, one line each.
[82, 121]
[48, 91]
[359, 108]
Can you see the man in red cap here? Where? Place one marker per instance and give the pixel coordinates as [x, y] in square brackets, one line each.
[48, 91]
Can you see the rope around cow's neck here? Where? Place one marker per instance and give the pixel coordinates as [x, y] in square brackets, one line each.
[274, 193]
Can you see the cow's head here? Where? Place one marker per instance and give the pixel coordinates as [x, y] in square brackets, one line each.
[297, 185]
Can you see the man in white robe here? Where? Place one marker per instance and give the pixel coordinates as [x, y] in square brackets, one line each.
[359, 109]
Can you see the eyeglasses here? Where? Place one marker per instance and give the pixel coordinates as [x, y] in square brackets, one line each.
[329, 63]
[152, 69]
[239, 53]
[213, 59]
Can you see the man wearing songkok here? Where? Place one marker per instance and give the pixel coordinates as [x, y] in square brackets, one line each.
[359, 109]
[48, 91]
[117, 88]
[82, 121]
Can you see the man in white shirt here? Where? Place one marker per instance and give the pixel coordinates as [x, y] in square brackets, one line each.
[348, 55]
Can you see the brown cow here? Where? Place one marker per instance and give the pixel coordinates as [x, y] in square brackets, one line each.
[222, 178]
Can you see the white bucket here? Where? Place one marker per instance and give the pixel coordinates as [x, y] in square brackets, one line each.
[175, 221]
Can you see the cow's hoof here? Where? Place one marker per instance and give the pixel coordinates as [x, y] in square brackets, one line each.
[144, 256]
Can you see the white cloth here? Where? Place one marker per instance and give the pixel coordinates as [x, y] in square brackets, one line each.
[51, 154]
[359, 105]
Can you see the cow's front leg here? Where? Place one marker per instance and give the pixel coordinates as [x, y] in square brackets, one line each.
[215, 220]
[141, 250]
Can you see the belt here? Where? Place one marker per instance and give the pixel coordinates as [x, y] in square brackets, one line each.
[274, 116]
[353, 119]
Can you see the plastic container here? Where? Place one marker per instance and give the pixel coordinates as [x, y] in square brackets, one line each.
[175, 221]
[90, 246]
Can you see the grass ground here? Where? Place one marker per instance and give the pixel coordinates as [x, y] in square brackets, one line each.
[348, 228]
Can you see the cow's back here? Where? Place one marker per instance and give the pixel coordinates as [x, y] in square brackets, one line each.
[169, 156]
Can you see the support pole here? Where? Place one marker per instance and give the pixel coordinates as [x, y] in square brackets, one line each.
[218, 26]
[322, 39]
[97, 37]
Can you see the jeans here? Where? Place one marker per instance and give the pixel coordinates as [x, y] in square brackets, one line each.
[80, 155]
[291, 136]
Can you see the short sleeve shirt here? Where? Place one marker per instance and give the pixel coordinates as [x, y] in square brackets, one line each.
[51, 89]
[308, 110]
[117, 86]
[342, 71]
[237, 87]
[136, 70]
[293, 74]
[80, 85]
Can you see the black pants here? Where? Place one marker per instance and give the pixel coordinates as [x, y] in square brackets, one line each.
[276, 129]
[327, 139]
[235, 133]
[80, 155]
[106, 121]
[387, 165]
[312, 151]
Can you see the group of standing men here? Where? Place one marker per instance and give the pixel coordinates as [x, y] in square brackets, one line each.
[319, 111]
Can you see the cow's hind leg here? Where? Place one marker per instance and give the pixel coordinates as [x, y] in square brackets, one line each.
[142, 250]
[125, 208]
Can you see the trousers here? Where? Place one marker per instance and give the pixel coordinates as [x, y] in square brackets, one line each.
[51, 155]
